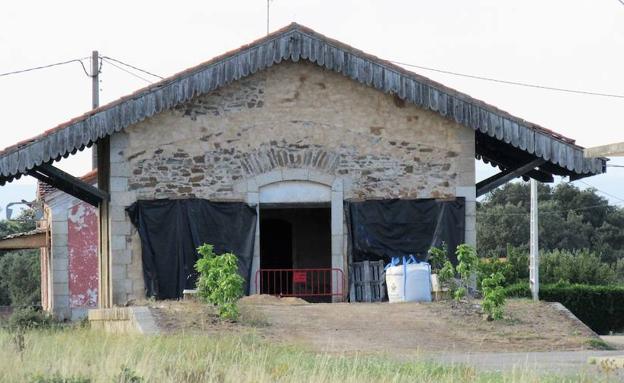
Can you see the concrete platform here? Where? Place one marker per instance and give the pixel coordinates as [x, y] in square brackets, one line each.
[135, 319]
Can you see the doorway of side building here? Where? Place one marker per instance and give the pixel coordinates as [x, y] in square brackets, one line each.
[295, 251]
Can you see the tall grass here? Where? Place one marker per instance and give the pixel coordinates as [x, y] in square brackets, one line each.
[101, 357]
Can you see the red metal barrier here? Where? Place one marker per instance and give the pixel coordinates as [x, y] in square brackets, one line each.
[300, 282]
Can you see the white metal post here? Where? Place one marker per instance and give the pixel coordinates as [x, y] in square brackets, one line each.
[534, 245]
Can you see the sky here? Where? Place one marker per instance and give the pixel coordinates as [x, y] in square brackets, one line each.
[559, 43]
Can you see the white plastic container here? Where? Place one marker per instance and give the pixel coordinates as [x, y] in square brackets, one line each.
[412, 286]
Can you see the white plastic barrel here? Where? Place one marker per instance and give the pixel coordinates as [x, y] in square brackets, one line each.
[415, 286]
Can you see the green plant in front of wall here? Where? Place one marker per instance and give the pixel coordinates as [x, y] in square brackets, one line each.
[219, 282]
[446, 277]
[493, 295]
[467, 268]
[438, 256]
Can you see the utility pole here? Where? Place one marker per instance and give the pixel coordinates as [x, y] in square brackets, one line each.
[534, 245]
[95, 96]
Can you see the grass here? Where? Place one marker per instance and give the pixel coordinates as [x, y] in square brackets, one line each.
[599, 344]
[76, 354]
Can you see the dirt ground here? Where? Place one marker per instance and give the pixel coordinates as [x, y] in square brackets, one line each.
[382, 327]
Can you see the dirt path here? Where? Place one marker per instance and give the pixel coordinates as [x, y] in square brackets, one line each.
[414, 328]
[401, 329]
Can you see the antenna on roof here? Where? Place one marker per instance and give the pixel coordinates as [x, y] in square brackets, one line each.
[268, 14]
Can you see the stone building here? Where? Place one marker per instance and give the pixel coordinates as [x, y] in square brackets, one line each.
[295, 125]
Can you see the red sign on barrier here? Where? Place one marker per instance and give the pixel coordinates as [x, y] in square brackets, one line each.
[300, 277]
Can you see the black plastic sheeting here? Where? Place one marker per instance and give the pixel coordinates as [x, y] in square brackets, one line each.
[172, 230]
[393, 228]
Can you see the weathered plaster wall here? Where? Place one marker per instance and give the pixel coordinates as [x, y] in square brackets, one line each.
[73, 257]
[292, 116]
[82, 244]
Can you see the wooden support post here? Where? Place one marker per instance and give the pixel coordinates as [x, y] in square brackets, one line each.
[105, 260]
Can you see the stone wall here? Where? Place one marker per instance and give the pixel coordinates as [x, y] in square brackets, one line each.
[292, 116]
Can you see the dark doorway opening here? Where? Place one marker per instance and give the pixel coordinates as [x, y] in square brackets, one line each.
[294, 237]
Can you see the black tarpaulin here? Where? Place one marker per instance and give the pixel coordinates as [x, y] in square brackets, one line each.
[382, 229]
[172, 230]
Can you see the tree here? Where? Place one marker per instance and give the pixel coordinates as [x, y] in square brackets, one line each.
[570, 219]
[19, 270]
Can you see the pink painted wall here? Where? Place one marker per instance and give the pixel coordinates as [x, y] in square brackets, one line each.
[82, 243]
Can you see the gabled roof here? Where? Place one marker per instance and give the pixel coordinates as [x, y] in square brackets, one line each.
[519, 140]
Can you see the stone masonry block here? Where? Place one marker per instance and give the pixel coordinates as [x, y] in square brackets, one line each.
[119, 272]
[253, 198]
[121, 228]
[60, 288]
[322, 178]
[337, 185]
[118, 213]
[60, 251]
[59, 239]
[122, 257]
[298, 174]
[269, 178]
[118, 242]
[252, 185]
[118, 184]
[60, 227]
[336, 244]
[60, 264]
[337, 213]
[61, 276]
[121, 169]
[124, 199]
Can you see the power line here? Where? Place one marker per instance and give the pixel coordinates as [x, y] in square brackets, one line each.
[127, 71]
[133, 67]
[517, 83]
[48, 66]
[601, 191]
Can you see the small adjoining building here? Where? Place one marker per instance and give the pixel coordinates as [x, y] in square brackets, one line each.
[300, 154]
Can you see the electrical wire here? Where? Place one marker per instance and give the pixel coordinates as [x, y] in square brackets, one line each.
[48, 66]
[133, 67]
[127, 71]
[601, 191]
[517, 83]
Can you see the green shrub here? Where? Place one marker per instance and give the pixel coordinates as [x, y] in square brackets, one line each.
[438, 256]
[467, 268]
[578, 266]
[30, 318]
[446, 277]
[489, 266]
[599, 307]
[518, 290]
[128, 375]
[219, 282]
[493, 296]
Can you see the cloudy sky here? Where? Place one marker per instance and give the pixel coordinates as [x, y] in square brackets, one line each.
[560, 43]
